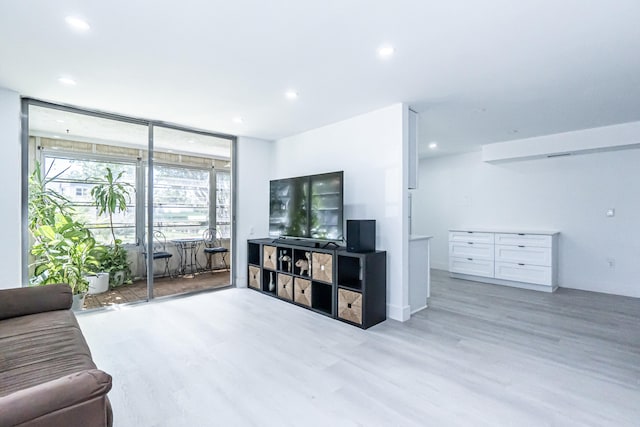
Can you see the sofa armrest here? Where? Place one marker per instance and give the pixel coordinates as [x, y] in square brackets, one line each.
[24, 406]
[38, 299]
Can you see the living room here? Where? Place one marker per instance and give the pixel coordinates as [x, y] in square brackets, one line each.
[527, 119]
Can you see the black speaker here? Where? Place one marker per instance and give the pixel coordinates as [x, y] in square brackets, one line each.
[361, 235]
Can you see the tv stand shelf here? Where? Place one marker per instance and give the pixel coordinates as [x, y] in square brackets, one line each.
[347, 286]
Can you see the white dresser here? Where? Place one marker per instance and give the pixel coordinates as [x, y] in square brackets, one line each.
[524, 259]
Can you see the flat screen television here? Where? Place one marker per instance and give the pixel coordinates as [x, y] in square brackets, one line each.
[309, 207]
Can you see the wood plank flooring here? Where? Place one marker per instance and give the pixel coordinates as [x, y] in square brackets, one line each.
[163, 286]
[481, 355]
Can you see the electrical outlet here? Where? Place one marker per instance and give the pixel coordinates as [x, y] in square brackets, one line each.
[611, 262]
[611, 212]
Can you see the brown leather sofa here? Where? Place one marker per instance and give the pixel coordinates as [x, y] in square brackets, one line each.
[47, 376]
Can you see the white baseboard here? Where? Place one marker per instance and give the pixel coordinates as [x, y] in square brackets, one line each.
[399, 313]
[241, 281]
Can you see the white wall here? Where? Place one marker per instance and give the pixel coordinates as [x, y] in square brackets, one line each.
[371, 149]
[10, 214]
[253, 163]
[570, 194]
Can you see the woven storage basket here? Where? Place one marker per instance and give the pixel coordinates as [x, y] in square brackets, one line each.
[285, 286]
[269, 259]
[302, 291]
[350, 306]
[322, 267]
[254, 277]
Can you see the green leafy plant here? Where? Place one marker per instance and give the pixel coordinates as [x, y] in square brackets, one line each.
[65, 252]
[44, 202]
[110, 196]
[64, 249]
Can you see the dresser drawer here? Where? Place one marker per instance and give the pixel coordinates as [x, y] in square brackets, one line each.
[470, 236]
[521, 239]
[471, 250]
[474, 267]
[524, 273]
[523, 254]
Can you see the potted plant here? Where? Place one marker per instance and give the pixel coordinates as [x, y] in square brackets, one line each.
[64, 249]
[110, 196]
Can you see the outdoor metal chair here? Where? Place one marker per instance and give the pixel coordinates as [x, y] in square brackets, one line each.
[160, 251]
[213, 246]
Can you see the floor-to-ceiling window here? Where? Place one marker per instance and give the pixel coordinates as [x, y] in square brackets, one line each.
[78, 160]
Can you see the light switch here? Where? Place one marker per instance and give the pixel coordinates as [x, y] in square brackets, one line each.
[611, 212]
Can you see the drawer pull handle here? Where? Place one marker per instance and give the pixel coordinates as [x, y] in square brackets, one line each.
[520, 264]
[470, 232]
[470, 259]
[469, 243]
[521, 246]
[521, 234]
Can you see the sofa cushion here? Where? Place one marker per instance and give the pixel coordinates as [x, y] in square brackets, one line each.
[40, 347]
[36, 299]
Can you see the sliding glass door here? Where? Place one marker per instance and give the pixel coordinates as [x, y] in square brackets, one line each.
[90, 187]
[191, 209]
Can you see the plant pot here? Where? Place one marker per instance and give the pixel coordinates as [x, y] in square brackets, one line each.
[98, 283]
[118, 278]
[78, 302]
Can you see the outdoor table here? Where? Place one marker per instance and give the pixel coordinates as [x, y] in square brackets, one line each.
[188, 251]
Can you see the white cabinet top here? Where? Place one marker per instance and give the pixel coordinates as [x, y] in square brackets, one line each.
[505, 230]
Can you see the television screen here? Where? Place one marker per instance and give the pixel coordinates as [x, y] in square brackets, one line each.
[307, 207]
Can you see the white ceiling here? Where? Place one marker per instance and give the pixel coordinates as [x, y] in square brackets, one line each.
[478, 71]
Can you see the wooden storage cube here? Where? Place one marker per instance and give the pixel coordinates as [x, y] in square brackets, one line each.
[322, 267]
[350, 306]
[285, 286]
[269, 258]
[254, 277]
[302, 291]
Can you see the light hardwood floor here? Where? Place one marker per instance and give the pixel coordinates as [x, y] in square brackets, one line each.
[481, 355]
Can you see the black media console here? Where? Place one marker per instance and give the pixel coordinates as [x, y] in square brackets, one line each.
[351, 287]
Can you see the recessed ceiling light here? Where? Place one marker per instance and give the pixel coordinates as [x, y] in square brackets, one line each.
[433, 145]
[77, 23]
[386, 51]
[291, 94]
[67, 81]
[238, 120]
[56, 136]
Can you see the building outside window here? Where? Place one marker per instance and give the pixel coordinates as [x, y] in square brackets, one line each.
[182, 197]
[73, 178]
[223, 204]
